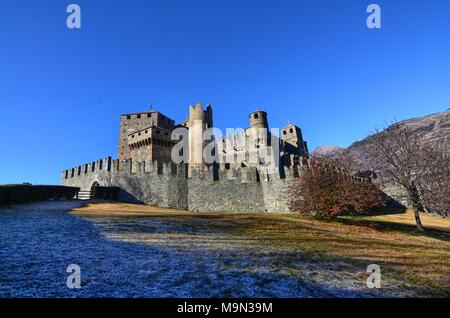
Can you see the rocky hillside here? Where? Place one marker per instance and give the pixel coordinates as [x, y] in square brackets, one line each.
[327, 150]
[433, 128]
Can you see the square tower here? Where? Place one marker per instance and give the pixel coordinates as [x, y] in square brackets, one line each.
[139, 123]
[293, 142]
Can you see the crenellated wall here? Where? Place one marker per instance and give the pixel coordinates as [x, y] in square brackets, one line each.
[85, 175]
[154, 183]
[275, 188]
[233, 190]
[147, 182]
[210, 189]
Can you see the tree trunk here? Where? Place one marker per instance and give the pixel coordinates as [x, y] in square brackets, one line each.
[418, 221]
[415, 197]
[423, 205]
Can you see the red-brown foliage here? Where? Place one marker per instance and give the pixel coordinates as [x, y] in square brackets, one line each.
[326, 190]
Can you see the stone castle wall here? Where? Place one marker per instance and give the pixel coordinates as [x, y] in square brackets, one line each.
[234, 190]
[85, 175]
[166, 185]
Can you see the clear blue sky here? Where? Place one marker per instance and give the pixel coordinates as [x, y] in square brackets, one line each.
[312, 62]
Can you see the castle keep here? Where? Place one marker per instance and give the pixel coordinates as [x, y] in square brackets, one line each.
[238, 179]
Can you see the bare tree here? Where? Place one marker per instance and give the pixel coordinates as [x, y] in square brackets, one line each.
[398, 156]
[434, 188]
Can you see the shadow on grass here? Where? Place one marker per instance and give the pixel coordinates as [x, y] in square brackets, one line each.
[395, 227]
[387, 211]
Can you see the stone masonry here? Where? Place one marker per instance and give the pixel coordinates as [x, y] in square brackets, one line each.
[145, 173]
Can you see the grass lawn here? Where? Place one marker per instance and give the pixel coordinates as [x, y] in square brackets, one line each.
[389, 240]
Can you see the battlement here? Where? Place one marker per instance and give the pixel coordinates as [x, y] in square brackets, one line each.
[124, 166]
[147, 167]
[206, 173]
[245, 174]
[198, 107]
[93, 167]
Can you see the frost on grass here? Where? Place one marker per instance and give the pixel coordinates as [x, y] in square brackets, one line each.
[155, 257]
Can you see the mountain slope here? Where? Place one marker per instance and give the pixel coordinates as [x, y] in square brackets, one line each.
[433, 128]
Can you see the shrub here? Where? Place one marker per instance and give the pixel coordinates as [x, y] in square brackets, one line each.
[326, 190]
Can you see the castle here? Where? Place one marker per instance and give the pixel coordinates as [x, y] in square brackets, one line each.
[192, 167]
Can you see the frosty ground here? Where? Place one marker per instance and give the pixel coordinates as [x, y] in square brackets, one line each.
[127, 251]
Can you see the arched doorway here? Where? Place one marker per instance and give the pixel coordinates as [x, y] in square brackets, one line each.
[94, 187]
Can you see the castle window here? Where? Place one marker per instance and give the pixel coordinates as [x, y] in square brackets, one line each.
[149, 115]
[146, 131]
[284, 132]
[67, 174]
[291, 130]
[139, 134]
[255, 116]
[138, 116]
[128, 117]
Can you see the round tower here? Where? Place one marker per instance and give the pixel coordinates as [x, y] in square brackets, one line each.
[258, 119]
[196, 112]
[199, 120]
